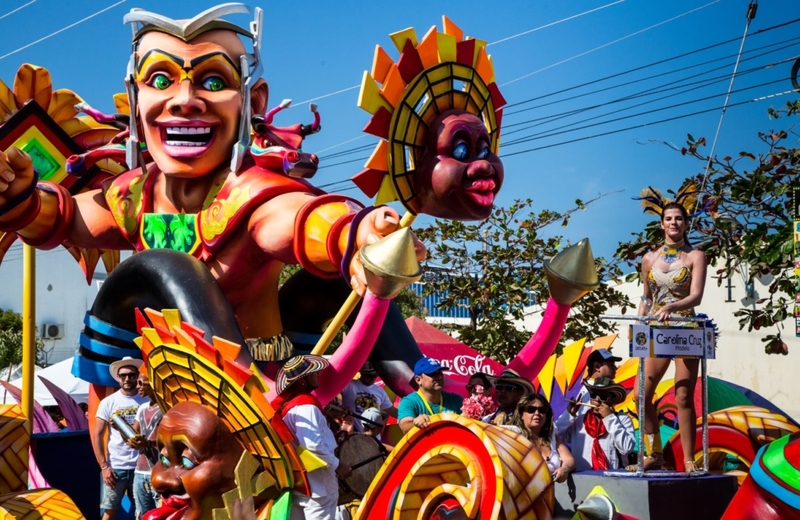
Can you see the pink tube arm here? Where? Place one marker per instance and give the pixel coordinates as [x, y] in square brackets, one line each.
[354, 350]
[533, 356]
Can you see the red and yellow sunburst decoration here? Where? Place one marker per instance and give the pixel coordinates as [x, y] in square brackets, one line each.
[45, 124]
[443, 71]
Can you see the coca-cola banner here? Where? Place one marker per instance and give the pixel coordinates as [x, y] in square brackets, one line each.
[460, 361]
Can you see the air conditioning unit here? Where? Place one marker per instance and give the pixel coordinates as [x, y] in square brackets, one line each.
[52, 331]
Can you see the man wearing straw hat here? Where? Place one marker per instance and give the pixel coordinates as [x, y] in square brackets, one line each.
[599, 435]
[303, 415]
[117, 460]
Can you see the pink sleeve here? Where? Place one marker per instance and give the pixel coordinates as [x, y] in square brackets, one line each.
[531, 359]
[354, 350]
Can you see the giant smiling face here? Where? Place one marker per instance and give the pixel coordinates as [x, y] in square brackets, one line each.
[190, 99]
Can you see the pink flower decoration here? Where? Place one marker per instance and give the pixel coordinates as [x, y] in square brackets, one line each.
[477, 405]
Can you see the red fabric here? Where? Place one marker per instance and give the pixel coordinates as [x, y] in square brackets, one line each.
[284, 405]
[596, 429]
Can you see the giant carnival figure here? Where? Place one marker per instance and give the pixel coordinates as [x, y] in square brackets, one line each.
[214, 219]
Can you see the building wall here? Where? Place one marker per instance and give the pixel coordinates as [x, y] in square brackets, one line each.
[62, 295]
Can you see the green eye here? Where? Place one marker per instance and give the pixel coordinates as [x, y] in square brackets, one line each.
[161, 82]
[164, 461]
[186, 463]
[213, 84]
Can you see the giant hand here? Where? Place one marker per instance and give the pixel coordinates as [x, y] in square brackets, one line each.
[376, 225]
[16, 184]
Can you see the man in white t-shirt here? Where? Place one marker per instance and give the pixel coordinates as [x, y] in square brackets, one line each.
[362, 394]
[117, 460]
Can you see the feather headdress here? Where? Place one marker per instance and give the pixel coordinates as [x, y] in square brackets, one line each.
[653, 201]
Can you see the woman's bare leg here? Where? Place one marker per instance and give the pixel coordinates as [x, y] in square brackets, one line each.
[685, 382]
[654, 370]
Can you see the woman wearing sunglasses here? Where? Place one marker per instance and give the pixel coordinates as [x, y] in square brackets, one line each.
[537, 421]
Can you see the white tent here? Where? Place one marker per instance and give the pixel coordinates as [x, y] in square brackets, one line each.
[59, 374]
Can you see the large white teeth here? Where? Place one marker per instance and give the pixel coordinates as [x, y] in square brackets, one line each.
[184, 143]
[175, 130]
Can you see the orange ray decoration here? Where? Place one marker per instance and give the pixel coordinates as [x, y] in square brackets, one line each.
[45, 124]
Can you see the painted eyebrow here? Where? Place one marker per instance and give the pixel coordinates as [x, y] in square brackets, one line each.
[177, 59]
[200, 59]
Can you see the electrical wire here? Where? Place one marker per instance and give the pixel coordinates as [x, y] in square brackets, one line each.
[648, 65]
[20, 8]
[649, 123]
[750, 15]
[701, 84]
[661, 74]
[636, 33]
[526, 139]
[551, 24]
[629, 71]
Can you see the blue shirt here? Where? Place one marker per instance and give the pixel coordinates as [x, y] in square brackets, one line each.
[412, 405]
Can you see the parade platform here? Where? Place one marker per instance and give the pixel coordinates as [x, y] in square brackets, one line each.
[652, 498]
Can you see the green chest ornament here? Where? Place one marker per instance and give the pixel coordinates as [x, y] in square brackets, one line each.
[170, 231]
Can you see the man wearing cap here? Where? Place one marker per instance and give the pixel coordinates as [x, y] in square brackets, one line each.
[303, 415]
[372, 422]
[430, 399]
[599, 436]
[117, 460]
[509, 389]
[600, 363]
[362, 393]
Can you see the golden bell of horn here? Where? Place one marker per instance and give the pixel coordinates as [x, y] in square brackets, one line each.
[390, 264]
[571, 273]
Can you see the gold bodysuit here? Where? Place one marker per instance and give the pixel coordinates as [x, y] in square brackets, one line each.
[670, 286]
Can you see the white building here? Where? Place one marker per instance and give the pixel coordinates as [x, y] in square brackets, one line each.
[62, 296]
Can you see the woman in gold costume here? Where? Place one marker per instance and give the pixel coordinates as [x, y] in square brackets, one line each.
[674, 277]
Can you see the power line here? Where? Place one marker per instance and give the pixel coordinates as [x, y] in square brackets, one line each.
[555, 23]
[648, 65]
[661, 74]
[70, 26]
[618, 74]
[650, 123]
[609, 43]
[20, 8]
[700, 84]
[660, 109]
[492, 43]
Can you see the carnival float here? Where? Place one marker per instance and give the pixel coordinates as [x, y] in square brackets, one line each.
[215, 206]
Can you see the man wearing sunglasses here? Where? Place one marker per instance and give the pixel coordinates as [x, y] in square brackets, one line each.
[509, 388]
[430, 399]
[600, 436]
[117, 459]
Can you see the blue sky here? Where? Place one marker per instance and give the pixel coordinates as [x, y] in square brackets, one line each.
[315, 48]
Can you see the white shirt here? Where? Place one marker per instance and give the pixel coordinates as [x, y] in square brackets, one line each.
[618, 441]
[358, 397]
[554, 460]
[120, 455]
[308, 425]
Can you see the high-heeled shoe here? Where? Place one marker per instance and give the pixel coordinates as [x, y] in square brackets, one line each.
[690, 466]
[651, 462]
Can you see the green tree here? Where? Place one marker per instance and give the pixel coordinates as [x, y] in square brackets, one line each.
[748, 225]
[494, 269]
[11, 339]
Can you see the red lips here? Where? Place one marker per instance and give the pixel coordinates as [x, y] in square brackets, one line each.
[172, 508]
[481, 191]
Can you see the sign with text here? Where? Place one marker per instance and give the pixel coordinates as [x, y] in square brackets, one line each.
[640, 343]
[664, 341]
